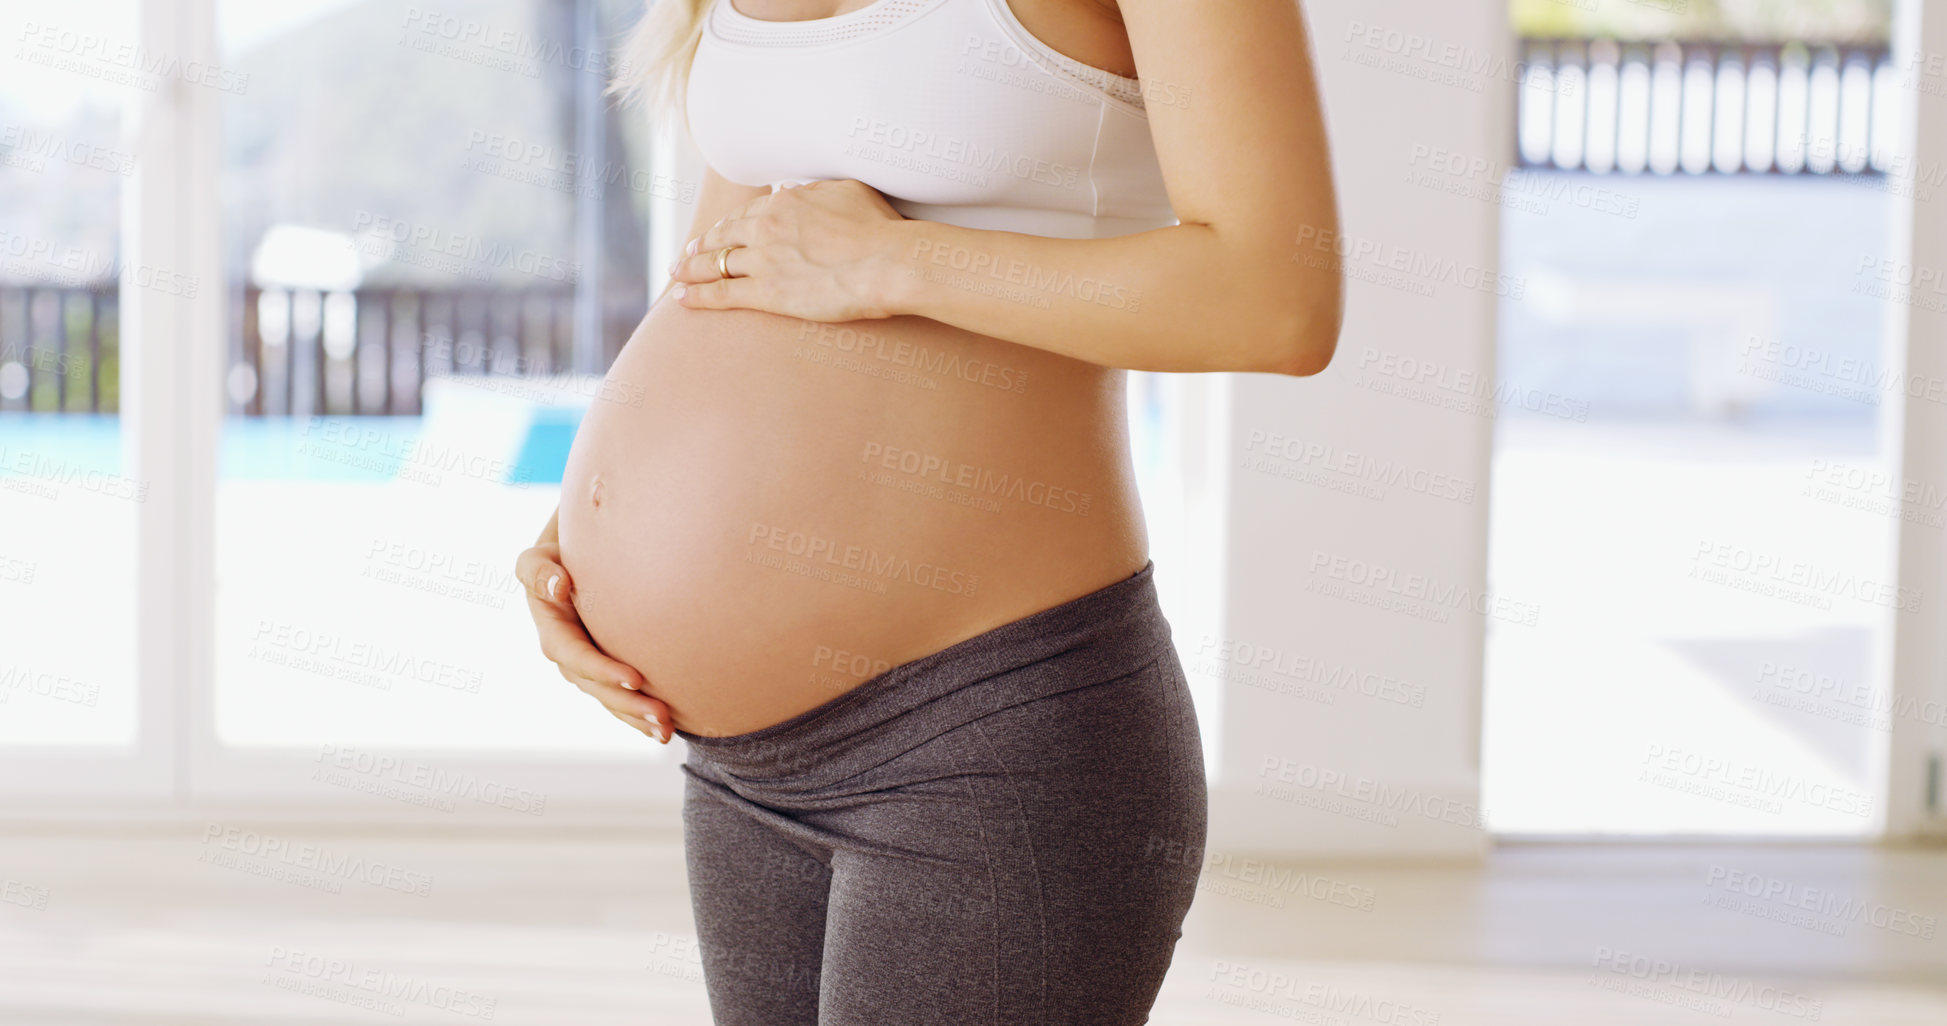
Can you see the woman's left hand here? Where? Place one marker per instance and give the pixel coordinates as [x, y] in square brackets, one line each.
[820, 252]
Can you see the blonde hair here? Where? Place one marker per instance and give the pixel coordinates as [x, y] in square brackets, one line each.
[655, 61]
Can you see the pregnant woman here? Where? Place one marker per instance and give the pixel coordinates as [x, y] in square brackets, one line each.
[870, 543]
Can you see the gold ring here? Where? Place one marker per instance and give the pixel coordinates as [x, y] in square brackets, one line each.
[723, 262]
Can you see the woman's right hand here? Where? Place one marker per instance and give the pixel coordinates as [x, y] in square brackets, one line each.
[550, 600]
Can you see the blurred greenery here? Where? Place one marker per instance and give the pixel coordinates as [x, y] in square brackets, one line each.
[344, 125]
[1850, 21]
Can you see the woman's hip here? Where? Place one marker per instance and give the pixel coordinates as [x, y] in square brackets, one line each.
[1078, 788]
[1080, 710]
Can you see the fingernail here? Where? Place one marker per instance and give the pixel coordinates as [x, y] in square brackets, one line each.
[553, 583]
[627, 683]
[677, 292]
[691, 248]
[673, 265]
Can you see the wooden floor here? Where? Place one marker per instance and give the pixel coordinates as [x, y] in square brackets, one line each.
[269, 925]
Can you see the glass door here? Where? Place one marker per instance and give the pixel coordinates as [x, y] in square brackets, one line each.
[420, 298]
[1691, 469]
[71, 719]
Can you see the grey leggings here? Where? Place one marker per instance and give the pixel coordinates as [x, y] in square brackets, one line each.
[1005, 832]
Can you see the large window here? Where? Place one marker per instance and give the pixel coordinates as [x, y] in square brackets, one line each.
[404, 281]
[421, 295]
[68, 501]
[1691, 474]
[404, 306]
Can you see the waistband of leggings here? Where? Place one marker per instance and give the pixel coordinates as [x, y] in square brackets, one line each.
[1103, 635]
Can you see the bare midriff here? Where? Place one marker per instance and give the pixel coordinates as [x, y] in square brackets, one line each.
[761, 513]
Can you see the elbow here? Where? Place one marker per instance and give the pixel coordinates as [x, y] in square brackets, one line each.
[1309, 353]
[1307, 332]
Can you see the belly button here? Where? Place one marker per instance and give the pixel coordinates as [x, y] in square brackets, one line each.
[595, 492]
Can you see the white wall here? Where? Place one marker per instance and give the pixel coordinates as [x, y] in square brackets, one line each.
[1919, 335]
[1315, 558]
[675, 162]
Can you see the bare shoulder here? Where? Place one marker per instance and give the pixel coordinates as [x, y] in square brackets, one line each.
[1090, 31]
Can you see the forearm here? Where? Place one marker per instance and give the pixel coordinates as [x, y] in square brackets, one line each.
[1182, 298]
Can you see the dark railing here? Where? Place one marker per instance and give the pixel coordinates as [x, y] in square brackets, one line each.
[59, 348]
[1698, 108]
[302, 352]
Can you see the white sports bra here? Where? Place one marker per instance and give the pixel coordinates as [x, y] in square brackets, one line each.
[950, 108]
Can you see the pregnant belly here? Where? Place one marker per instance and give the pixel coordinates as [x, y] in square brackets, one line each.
[761, 513]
